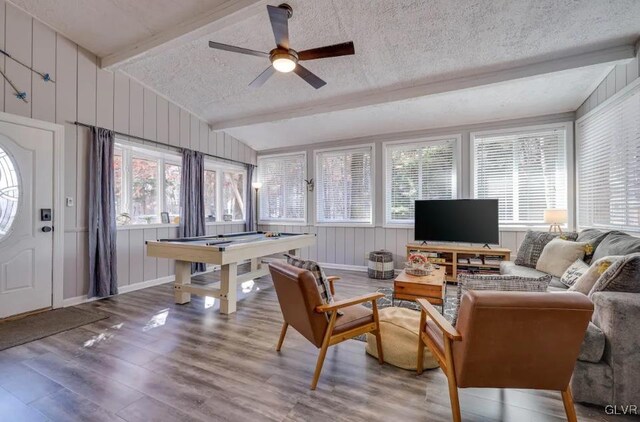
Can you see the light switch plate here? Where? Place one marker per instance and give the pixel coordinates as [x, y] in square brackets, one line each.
[69, 201]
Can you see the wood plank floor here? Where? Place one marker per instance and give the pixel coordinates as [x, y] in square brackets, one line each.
[153, 360]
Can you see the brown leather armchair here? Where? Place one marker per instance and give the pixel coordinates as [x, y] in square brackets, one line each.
[302, 308]
[508, 340]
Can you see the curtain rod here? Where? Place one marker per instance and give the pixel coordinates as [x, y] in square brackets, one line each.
[165, 144]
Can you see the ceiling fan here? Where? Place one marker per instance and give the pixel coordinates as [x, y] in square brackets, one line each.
[285, 59]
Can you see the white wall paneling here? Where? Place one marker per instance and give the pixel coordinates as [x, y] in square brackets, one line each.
[85, 93]
[619, 77]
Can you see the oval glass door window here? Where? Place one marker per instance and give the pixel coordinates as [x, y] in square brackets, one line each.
[9, 193]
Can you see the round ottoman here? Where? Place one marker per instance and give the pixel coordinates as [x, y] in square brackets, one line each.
[399, 332]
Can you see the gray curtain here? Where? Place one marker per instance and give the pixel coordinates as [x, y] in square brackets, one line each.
[251, 218]
[192, 199]
[103, 274]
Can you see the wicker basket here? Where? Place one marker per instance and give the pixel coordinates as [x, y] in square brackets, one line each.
[381, 265]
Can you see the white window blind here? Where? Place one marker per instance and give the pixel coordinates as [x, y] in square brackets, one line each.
[343, 186]
[525, 170]
[283, 192]
[424, 170]
[608, 161]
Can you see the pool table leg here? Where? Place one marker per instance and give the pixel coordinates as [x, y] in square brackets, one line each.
[183, 277]
[228, 288]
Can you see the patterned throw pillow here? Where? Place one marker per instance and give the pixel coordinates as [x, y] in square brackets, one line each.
[574, 272]
[622, 275]
[502, 283]
[322, 283]
[534, 243]
[586, 281]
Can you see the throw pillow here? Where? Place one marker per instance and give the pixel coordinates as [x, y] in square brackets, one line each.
[321, 279]
[617, 243]
[558, 255]
[504, 283]
[593, 237]
[533, 244]
[574, 272]
[621, 276]
[586, 281]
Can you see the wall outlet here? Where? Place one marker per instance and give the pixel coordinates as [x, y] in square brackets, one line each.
[69, 201]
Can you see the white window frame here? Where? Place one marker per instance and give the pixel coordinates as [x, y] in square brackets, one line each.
[131, 149]
[316, 154]
[432, 140]
[220, 168]
[306, 191]
[603, 107]
[569, 165]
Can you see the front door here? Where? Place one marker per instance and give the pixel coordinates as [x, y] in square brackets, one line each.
[26, 229]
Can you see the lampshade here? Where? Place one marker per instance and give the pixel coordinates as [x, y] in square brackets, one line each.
[555, 216]
[256, 185]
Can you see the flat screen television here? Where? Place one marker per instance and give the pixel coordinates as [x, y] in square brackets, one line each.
[457, 220]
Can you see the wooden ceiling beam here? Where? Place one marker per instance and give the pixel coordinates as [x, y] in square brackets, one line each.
[213, 20]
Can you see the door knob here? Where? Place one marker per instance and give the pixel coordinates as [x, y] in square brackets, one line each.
[47, 229]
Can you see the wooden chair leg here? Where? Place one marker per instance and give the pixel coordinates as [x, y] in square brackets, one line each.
[569, 408]
[451, 379]
[377, 332]
[323, 350]
[423, 321]
[282, 334]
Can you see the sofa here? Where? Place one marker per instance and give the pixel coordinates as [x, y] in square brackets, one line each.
[608, 368]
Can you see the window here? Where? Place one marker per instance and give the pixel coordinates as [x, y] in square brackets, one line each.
[344, 191]
[147, 182]
[418, 170]
[210, 195]
[9, 193]
[283, 192]
[233, 195]
[525, 170]
[173, 178]
[224, 192]
[608, 165]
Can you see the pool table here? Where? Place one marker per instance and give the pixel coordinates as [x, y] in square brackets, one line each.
[226, 250]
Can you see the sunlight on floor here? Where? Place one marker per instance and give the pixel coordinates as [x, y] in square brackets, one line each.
[209, 302]
[102, 336]
[247, 286]
[157, 320]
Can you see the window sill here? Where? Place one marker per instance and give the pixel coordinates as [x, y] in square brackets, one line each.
[518, 228]
[223, 223]
[282, 223]
[146, 226]
[364, 225]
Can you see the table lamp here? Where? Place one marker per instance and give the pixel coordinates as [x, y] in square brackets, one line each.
[555, 217]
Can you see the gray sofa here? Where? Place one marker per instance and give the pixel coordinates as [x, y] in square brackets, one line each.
[608, 368]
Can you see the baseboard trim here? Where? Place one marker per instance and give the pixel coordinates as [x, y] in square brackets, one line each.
[73, 301]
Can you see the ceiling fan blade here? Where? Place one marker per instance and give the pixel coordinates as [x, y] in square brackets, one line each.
[309, 77]
[344, 49]
[279, 23]
[235, 49]
[262, 78]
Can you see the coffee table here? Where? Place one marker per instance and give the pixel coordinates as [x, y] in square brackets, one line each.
[411, 287]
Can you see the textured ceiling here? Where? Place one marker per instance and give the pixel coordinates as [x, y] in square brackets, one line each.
[107, 26]
[398, 44]
[555, 93]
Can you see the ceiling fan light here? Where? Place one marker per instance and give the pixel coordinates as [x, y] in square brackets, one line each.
[284, 64]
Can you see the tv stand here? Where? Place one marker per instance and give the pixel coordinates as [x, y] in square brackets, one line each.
[462, 259]
[486, 245]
